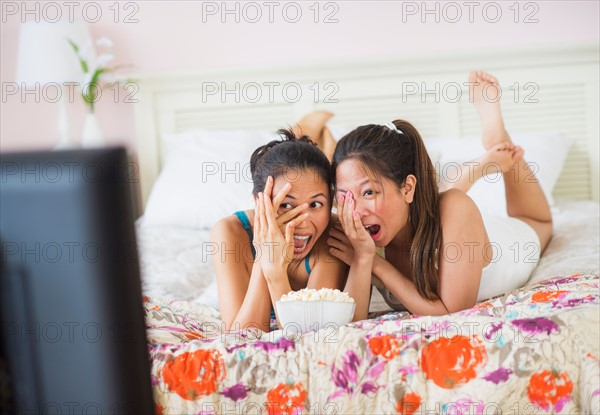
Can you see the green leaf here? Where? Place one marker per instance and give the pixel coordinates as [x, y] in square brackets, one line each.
[73, 45]
[97, 74]
[83, 63]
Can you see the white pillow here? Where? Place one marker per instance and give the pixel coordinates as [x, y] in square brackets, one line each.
[545, 153]
[205, 177]
[338, 131]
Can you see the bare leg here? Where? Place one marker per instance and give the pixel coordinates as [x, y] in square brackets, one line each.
[498, 159]
[525, 199]
[313, 125]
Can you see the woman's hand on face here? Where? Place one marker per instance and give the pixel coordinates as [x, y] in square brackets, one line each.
[286, 217]
[339, 245]
[274, 247]
[358, 236]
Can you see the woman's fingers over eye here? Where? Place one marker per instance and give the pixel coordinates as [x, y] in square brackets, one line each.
[340, 205]
[348, 213]
[343, 211]
[269, 187]
[291, 214]
[349, 202]
[281, 194]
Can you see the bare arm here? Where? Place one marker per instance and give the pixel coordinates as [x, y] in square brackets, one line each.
[463, 234]
[255, 310]
[358, 285]
[243, 297]
[460, 266]
[405, 290]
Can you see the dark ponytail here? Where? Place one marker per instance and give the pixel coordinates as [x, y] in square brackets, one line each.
[290, 153]
[395, 155]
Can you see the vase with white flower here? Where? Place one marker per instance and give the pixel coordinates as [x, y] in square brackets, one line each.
[96, 76]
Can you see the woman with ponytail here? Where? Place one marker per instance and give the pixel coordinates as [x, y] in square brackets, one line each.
[429, 252]
[281, 245]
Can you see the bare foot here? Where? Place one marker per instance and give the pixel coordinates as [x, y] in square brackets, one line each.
[486, 98]
[312, 125]
[501, 156]
[518, 153]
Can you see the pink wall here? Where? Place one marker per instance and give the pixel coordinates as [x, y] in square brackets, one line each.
[173, 36]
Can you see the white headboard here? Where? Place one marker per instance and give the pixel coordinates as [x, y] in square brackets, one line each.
[565, 83]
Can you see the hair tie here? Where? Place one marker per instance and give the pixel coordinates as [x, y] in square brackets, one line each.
[393, 127]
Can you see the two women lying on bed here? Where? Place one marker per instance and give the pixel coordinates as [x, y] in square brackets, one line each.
[282, 244]
[427, 251]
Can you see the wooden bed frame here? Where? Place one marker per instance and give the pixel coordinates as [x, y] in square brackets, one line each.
[552, 90]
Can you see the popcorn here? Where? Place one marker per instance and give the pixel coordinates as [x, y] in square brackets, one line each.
[323, 294]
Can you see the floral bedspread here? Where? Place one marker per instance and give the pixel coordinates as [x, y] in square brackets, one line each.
[531, 351]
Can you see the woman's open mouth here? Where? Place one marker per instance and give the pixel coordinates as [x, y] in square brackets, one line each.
[301, 243]
[374, 231]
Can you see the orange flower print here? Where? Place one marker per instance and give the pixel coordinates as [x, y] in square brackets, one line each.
[384, 346]
[408, 404]
[192, 335]
[485, 304]
[285, 399]
[193, 375]
[452, 362]
[546, 296]
[550, 387]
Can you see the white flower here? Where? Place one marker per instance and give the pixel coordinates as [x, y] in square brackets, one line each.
[85, 52]
[108, 78]
[104, 41]
[95, 68]
[103, 60]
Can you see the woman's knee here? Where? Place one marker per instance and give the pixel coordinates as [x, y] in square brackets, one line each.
[542, 229]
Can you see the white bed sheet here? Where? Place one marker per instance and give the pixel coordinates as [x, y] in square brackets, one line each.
[176, 261]
[575, 244]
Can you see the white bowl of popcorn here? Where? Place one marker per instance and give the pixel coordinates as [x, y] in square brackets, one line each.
[311, 310]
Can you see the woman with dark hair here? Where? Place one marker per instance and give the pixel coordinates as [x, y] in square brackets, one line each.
[437, 255]
[281, 245]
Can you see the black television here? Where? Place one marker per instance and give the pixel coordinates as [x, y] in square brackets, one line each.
[72, 323]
